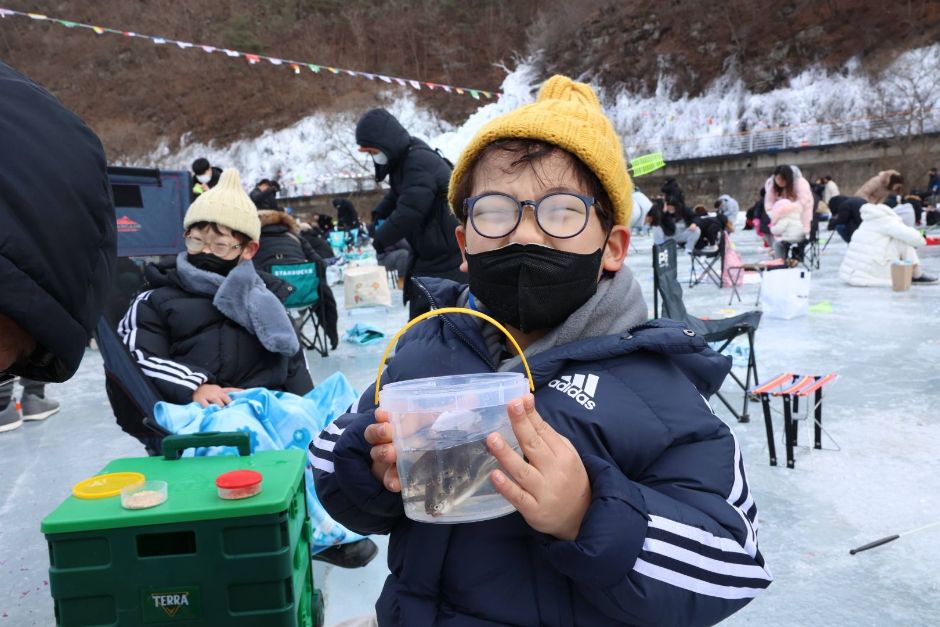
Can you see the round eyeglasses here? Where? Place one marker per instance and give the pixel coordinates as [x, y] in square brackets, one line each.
[195, 245]
[560, 214]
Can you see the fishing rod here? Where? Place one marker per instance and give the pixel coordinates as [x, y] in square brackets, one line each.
[888, 539]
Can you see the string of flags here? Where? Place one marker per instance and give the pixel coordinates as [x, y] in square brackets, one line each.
[296, 66]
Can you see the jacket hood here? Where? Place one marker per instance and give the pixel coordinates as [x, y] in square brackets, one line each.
[704, 367]
[270, 217]
[57, 228]
[378, 128]
[874, 212]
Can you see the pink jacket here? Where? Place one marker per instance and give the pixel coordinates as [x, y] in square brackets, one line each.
[803, 195]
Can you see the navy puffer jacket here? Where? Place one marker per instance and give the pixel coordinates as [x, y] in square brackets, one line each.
[670, 537]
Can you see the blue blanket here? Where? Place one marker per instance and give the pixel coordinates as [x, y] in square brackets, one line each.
[275, 421]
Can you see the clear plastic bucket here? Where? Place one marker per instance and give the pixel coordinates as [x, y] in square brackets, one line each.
[439, 429]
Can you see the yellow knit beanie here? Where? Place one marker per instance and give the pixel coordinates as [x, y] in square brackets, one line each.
[568, 115]
[226, 204]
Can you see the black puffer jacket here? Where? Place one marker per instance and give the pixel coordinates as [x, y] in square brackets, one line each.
[846, 210]
[281, 243]
[265, 199]
[57, 230]
[314, 236]
[416, 208]
[180, 341]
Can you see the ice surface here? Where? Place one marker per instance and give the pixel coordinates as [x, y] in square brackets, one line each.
[882, 412]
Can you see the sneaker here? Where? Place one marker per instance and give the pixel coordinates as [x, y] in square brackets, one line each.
[38, 407]
[925, 279]
[10, 418]
[352, 555]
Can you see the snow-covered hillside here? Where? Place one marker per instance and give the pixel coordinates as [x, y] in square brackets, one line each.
[318, 154]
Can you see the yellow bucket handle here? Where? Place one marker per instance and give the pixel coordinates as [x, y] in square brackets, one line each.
[447, 310]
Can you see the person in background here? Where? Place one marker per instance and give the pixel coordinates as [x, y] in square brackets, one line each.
[830, 189]
[711, 227]
[882, 239]
[631, 498]
[58, 242]
[314, 236]
[206, 175]
[787, 182]
[34, 405]
[671, 189]
[281, 244]
[786, 227]
[846, 215]
[415, 207]
[686, 229]
[877, 188]
[728, 207]
[264, 195]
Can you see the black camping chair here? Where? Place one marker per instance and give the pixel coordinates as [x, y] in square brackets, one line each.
[809, 251]
[666, 286]
[130, 392]
[703, 263]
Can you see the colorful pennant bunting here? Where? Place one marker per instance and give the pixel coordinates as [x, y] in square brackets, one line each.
[256, 58]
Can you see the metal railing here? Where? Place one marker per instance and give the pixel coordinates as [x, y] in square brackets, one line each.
[899, 124]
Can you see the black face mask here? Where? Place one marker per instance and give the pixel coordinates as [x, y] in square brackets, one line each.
[532, 287]
[211, 263]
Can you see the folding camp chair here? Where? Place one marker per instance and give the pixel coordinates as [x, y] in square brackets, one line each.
[667, 287]
[703, 263]
[809, 252]
[304, 303]
[791, 388]
[130, 392]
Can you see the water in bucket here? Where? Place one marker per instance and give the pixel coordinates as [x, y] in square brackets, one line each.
[440, 426]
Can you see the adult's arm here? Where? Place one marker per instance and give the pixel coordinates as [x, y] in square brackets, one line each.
[415, 201]
[804, 196]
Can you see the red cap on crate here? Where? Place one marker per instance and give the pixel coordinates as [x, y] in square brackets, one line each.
[236, 479]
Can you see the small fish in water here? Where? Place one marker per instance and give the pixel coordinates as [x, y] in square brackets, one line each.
[450, 476]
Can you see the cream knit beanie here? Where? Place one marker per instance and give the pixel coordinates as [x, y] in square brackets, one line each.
[226, 204]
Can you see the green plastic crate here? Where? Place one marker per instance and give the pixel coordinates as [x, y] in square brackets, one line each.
[194, 560]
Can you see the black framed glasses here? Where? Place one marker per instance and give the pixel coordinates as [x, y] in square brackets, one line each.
[560, 214]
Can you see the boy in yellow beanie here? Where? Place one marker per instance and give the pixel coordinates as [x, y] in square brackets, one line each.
[211, 324]
[631, 497]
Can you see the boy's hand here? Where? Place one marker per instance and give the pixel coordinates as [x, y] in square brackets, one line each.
[211, 394]
[379, 435]
[553, 491]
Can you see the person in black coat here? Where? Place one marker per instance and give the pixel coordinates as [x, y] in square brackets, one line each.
[210, 323]
[58, 240]
[846, 215]
[206, 177]
[672, 191]
[312, 234]
[415, 208]
[281, 243]
[264, 195]
[346, 215]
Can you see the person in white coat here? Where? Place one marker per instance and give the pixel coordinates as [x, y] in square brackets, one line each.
[786, 225]
[881, 240]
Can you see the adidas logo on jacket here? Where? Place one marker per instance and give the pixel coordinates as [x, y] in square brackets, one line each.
[578, 386]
